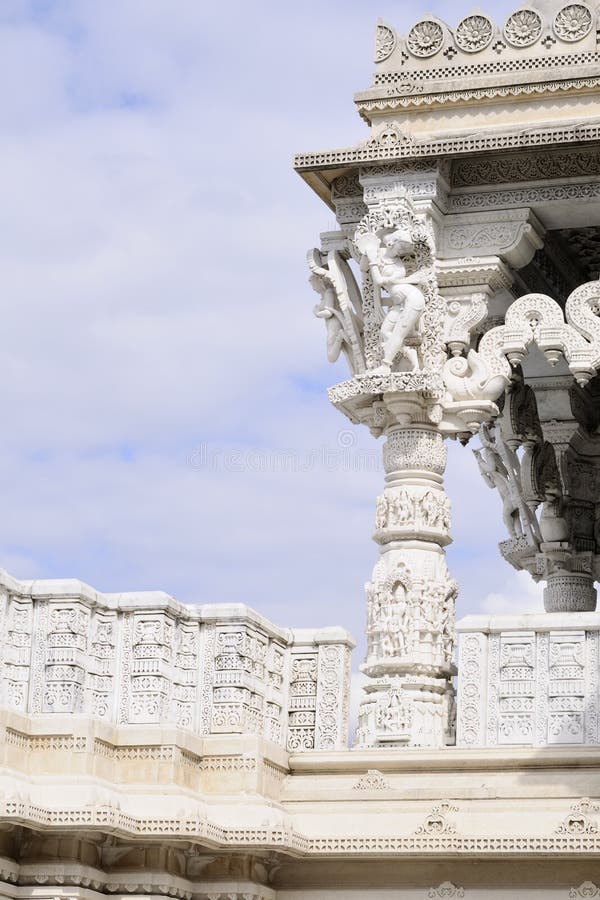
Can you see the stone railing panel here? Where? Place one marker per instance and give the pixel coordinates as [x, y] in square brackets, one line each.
[147, 660]
[528, 680]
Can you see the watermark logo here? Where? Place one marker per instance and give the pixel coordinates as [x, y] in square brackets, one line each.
[346, 456]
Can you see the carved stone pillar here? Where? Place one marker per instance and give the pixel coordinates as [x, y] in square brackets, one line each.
[410, 598]
[433, 339]
[416, 378]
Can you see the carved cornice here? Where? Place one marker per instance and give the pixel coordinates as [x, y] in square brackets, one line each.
[156, 882]
[435, 836]
[405, 95]
[481, 142]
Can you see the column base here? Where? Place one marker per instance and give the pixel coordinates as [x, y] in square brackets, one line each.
[406, 711]
[570, 593]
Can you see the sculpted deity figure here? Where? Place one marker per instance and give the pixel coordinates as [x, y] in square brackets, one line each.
[403, 508]
[400, 617]
[388, 619]
[430, 510]
[381, 512]
[376, 617]
[384, 260]
[392, 642]
[446, 513]
[395, 716]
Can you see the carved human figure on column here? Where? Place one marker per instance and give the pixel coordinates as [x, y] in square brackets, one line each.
[336, 336]
[339, 307]
[430, 510]
[405, 296]
[381, 512]
[403, 508]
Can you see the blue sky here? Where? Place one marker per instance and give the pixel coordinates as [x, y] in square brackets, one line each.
[166, 424]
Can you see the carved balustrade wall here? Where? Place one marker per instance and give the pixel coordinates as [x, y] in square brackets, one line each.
[146, 660]
[529, 680]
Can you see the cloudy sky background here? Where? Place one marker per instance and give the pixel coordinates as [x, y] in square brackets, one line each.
[166, 424]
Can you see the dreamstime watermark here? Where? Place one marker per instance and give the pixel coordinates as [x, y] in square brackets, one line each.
[347, 456]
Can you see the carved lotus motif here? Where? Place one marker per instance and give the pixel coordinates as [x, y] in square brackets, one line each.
[385, 41]
[523, 28]
[425, 39]
[573, 22]
[474, 33]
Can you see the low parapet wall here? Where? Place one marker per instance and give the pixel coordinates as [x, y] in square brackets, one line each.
[529, 679]
[144, 659]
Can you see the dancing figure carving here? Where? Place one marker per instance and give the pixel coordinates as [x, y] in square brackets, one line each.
[383, 258]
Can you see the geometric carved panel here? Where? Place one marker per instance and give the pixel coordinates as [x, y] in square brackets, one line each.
[528, 680]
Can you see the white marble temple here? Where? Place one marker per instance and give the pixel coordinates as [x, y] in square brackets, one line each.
[153, 749]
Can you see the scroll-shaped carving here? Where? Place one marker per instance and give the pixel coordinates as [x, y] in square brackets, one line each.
[437, 822]
[540, 477]
[463, 316]
[471, 378]
[340, 307]
[541, 543]
[580, 819]
[543, 472]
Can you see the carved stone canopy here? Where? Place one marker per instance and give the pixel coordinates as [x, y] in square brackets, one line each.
[544, 54]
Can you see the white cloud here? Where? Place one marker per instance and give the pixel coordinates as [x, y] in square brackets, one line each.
[518, 594]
